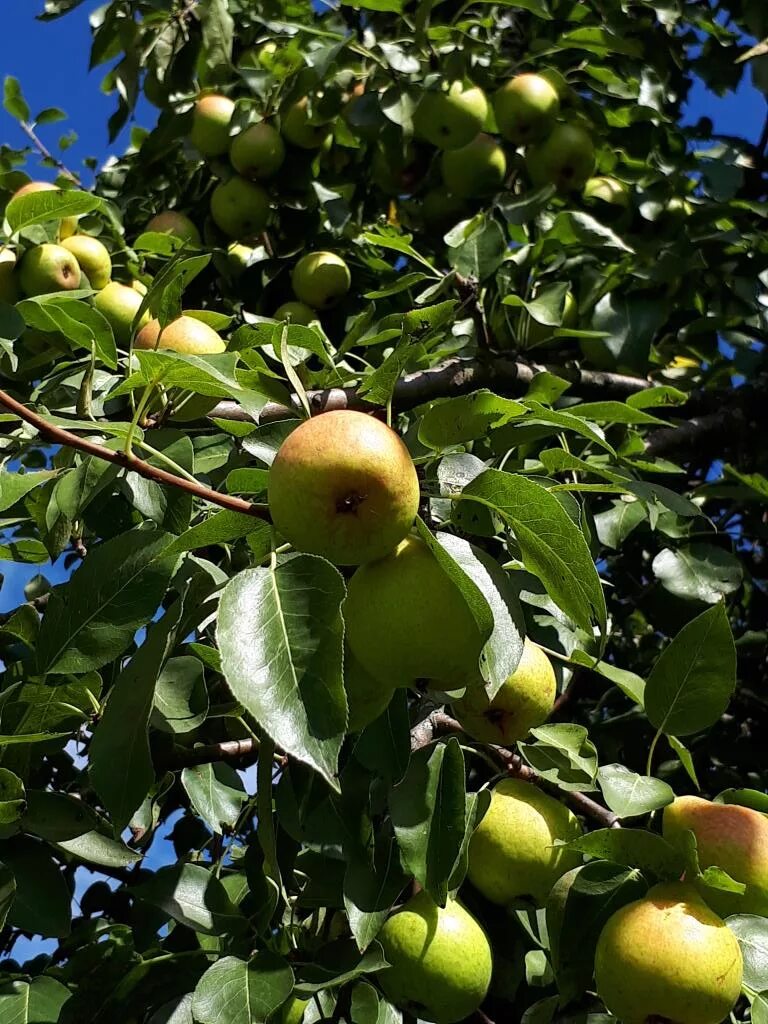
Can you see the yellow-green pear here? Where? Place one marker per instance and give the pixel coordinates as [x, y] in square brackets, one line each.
[450, 118]
[320, 279]
[730, 837]
[367, 696]
[48, 268]
[406, 620]
[524, 701]
[477, 169]
[239, 208]
[565, 159]
[298, 129]
[292, 1012]
[175, 223]
[93, 258]
[9, 281]
[186, 334]
[668, 957]
[526, 108]
[139, 286]
[257, 152]
[210, 125]
[343, 486]
[295, 313]
[512, 853]
[67, 225]
[120, 304]
[440, 959]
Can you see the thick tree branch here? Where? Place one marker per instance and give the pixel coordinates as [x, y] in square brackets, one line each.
[58, 435]
[716, 423]
[455, 377]
[440, 724]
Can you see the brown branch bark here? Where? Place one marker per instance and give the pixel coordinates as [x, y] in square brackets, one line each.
[457, 376]
[440, 724]
[57, 435]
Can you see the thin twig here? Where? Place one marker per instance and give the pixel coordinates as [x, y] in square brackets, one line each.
[43, 150]
[128, 461]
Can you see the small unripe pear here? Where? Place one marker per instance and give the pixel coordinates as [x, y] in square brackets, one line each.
[320, 279]
[9, 282]
[186, 334]
[175, 223]
[93, 258]
[526, 107]
[730, 837]
[67, 225]
[512, 853]
[258, 151]
[299, 131]
[477, 169]
[48, 268]
[120, 304]
[565, 159]
[668, 957]
[343, 486]
[210, 125]
[239, 208]
[406, 620]
[450, 118]
[293, 1011]
[440, 960]
[524, 701]
[295, 313]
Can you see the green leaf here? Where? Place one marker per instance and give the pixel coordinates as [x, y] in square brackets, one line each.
[630, 323]
[617, 522]
[389, 6]
[428, 814]
[698, 572]
[80, 324]
[337, 964]
[42, 904]
[634, 848]
[13, 99]
[563, 754]
[218, 32]
[7, 892]
[280, 634]
[480, 252]
[553, 548]
[371, 887]
[221, 528]
[384, 746]
[629, 795]
[692, 681]
[13, 486]
[181, 698]
[91, 619]
[216, 792]
[194, 897]
[752, 933]
[235, 992]
[40, 207]
[577, 909]
[12, 800]
[456, 420]
[121, 769]
[57, 816]
[615, 412]
[744, 798]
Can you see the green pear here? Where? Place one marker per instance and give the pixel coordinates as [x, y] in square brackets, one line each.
[477, 169]
[210, 125]
[236, 261]
[9, 282]
[93, 258]
[343, 486]
[239, 208]
[730, 837]
[292, 1011]
[406, 620]
[298, 129]
[668, 957]
[538, 333]
[440, 210]
[450, 118]
[120, 304]
[367, 696]
[257, 152]
[177, 224]
[440, 959]
[565, 159]
[67, 225]
[526, 108]
[295, 313]
[185, 334]
[608, 190]
[524, 701]
[320, 279]
[512, 853]
[48, 268]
